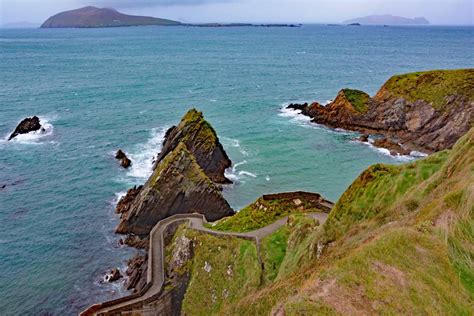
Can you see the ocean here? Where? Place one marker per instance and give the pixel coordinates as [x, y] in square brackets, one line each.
[98, 90]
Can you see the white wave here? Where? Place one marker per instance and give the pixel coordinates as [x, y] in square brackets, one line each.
[143, 155]
[267, 178]
[239, 176]
[35, 137]
[231, 142]
[386, 152]
[294, 114]
[118, 196]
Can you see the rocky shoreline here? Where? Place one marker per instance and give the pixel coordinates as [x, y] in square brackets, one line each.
[425, 112]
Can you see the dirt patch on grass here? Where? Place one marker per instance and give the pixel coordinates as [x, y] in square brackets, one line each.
[392, 273]
[344, 300]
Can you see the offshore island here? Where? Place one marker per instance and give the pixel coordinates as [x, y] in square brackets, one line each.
[397, 234]
[93, 17]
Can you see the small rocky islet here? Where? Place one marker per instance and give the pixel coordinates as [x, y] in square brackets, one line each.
[378, 237]
[28, 125]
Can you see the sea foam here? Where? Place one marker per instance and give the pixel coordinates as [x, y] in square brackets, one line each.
[143, 155]
[36, 137]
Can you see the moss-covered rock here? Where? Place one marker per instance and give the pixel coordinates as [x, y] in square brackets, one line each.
[178, 185]
[201, 140]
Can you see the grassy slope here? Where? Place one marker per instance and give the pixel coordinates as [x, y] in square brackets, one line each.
[234, 272]
[260, 214]
[358, 99]
[398, 241]
[432, 86]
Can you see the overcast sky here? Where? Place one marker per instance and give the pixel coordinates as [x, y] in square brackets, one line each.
[304, 11]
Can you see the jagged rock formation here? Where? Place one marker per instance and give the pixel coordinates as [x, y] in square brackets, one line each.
[202, 141]
[178, 185]
[90, 16]
[29, 124]
[426, 111]
[125, 162]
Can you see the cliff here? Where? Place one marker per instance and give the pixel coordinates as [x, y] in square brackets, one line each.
[398, 234]
[202, 141]
[89, 17]
[388, 19]
[424, 111]
[178, 185]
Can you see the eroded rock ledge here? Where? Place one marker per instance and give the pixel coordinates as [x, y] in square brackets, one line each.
[425, 111]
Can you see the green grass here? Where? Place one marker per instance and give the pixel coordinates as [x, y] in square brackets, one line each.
[398, 234]
[432, 86]
[260, 214]
[235, 272]
[273, 251]
[358, 99]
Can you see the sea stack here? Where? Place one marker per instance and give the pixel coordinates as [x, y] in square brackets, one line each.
[29, 124]
[185, 179]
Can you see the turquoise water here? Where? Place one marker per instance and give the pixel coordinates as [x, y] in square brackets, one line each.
[102, 89]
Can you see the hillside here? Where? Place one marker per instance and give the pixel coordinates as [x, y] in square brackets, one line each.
[398, 234]
[90, 17]
[388, 19]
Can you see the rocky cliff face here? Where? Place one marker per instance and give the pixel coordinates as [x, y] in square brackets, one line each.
[426, 111]
[201, 140]
[178, 185]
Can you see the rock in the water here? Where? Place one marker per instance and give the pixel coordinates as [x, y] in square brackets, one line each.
[113, 275]
[124, 160]
[364, 138]
[393, 147]
[201, 140]
[178, 185]
[29, 124]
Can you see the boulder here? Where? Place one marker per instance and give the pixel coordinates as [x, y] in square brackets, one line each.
[392, 146]
[29, 124]
[178, 185]
[202, 142]
[125, 162]
[364, 138]
[113, 276]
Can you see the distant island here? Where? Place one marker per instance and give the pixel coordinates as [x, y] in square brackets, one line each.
[388, 20]
[89, 17]
[93, 17]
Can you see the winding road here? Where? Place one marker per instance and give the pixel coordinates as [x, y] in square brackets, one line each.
[156, 260]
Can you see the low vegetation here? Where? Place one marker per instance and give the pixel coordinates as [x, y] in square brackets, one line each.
[399, 241]
[432, 86]
[358, 99]
[262, 213]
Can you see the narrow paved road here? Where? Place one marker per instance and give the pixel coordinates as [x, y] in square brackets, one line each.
[156, 260]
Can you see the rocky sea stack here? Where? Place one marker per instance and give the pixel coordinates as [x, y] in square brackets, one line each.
[424, 111]
[29, 124]
[202, 142]
[184, 179]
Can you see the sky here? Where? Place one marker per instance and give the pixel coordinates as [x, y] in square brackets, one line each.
[454, 12]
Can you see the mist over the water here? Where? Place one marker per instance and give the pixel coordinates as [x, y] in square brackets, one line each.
[444, 12]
